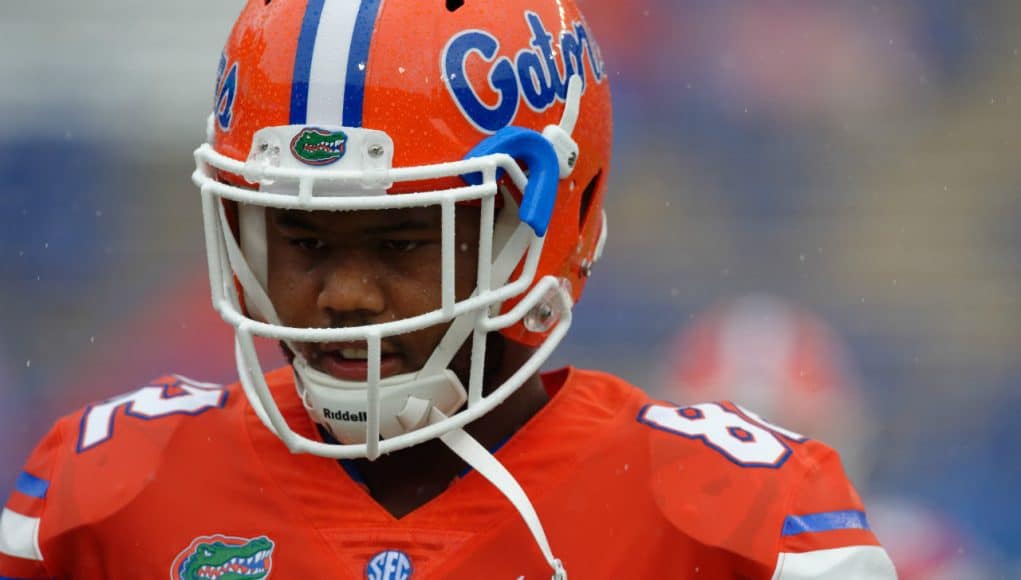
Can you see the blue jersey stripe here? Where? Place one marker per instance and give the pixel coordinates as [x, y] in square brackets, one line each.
[31, 485]
[303, 61]
[357, 63]
[825, 522]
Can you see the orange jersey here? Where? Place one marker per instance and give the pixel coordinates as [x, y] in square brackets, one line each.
[182, 480]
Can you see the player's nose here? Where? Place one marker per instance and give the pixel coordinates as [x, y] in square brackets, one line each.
[352, 290]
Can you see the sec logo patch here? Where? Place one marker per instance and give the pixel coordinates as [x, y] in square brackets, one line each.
[389, 565]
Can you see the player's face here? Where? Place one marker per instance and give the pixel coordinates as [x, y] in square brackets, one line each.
[342, 269]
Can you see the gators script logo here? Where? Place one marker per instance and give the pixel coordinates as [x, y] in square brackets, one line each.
[315, 146]
[536, 75]
[222, 557]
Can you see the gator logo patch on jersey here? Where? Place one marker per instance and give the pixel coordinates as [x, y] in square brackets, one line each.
[220, 557]
[314, 146]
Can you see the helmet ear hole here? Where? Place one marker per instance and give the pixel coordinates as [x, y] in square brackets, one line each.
[587, 197]
[452, 5]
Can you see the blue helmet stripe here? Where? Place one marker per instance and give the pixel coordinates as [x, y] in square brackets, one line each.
[303, 61]
[357, 64]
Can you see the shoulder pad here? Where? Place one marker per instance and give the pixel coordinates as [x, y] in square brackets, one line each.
[111, 450]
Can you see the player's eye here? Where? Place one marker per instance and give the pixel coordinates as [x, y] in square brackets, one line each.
[308, 244]
[401, 245]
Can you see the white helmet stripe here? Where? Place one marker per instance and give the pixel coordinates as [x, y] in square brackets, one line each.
[331, 61]
[327, 76]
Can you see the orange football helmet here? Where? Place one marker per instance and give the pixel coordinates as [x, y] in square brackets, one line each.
[341, 106]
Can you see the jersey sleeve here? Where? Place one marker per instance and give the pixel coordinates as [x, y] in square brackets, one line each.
[24, 512]
[825, 533]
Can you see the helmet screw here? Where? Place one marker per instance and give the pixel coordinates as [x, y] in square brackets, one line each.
[572, 159]
[544, 312]
[586, 268]
[375, 150]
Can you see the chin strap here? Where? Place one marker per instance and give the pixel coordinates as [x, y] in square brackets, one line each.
[480, 459]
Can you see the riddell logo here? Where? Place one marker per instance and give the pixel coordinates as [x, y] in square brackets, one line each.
[359, 417]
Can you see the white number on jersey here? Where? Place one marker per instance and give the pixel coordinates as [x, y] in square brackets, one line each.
[745, 443]
[184, 397]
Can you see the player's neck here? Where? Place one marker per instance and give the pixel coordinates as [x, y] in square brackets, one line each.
[405, 480]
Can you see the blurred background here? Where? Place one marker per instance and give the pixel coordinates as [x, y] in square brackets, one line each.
[815, 207]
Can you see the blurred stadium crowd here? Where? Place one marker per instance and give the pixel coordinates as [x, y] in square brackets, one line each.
[815, 207]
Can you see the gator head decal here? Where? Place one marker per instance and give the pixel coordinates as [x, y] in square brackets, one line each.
[314, 146]
[224, 558]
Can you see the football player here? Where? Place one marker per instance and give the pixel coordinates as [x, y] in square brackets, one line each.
[408, 197]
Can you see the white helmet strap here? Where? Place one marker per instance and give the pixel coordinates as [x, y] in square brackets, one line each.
[475, 455]
[256, 298]
[252, 227]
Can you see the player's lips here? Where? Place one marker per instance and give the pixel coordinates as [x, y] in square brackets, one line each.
[349, 360]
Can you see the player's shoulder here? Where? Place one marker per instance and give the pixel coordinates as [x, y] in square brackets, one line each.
[149, 416]
[118, 444]
[96, 462]
[726, 476]
[721, 436]
[729, 437]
